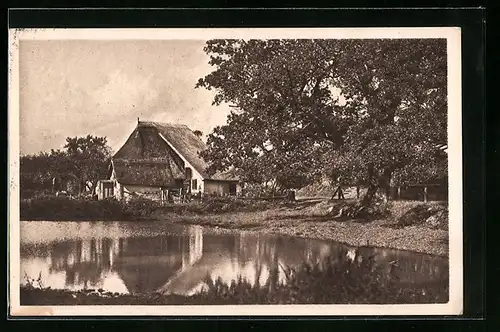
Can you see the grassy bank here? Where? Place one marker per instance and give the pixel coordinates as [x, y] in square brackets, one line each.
[336, 280]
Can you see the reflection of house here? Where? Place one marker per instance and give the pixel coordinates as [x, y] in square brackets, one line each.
[142, 263]
[148, 263]
[179, 263]
[159, 158]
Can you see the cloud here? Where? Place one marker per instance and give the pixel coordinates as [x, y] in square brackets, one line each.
[123, 92]
[75, 88]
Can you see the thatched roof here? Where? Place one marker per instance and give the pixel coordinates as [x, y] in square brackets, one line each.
[146, 277]
[147, 142]
[147, 172]
[184, 141]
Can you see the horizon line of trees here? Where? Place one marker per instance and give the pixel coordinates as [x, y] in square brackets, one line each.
[81, 161]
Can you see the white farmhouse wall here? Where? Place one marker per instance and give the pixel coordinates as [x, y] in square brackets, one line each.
[117, 188]
[214, 188]
[199, 182]
[194, 172]
[219, 187]
[150, 192]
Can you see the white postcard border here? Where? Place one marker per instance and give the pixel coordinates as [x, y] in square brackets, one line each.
[453, 36]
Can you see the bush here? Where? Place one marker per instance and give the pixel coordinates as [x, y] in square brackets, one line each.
[50, 207]
[434, 215]
[63, 208]
[218, 205]
[140, 207]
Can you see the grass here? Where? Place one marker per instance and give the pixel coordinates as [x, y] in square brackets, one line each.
[335, 280]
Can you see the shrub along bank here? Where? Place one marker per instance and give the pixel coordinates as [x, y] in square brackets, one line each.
[62, 208]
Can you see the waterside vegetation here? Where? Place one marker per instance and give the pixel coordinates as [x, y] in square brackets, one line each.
[335, 280]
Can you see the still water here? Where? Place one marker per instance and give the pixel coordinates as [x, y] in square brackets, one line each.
[142, 257]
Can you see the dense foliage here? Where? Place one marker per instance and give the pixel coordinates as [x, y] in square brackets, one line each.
[82, 160]
[363, 112]
[49, 207]
[62, 208]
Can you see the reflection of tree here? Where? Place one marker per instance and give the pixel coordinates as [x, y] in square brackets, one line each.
[84, 261]
[270, 253]
[407, 266]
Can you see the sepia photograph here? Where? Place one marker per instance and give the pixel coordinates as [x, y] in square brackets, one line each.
[235, 172]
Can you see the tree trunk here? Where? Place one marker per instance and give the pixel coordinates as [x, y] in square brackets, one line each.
[385, 183]
[381, 181]
[370, 194]
[372, 187]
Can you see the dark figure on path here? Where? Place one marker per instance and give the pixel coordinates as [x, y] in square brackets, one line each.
[339, 192]
[290, 195]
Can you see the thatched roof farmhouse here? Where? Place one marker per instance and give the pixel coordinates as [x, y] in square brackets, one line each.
[161, 158]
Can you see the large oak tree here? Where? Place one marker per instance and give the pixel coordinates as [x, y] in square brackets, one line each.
[371, 111]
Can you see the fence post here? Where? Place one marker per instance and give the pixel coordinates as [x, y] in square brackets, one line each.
[425, 194]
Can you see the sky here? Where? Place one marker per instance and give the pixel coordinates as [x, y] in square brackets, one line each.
[74, 88]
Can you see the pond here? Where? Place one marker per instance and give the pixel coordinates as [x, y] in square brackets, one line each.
[143, 257]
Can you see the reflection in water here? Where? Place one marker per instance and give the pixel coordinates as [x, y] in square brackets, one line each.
[132, 258]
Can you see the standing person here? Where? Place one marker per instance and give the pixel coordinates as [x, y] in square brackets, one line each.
[339, 190]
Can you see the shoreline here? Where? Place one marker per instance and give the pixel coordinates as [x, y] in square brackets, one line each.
[437, 253]
[375, 234]
[312, 221]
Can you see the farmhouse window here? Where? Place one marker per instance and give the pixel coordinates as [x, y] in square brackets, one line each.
[195, 184]
[232, 188]
[107, 189]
